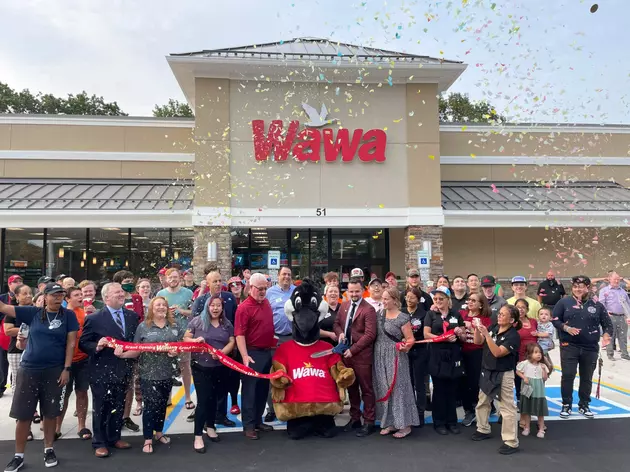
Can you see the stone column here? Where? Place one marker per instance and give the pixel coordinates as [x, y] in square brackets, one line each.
[223, 238]
[414, 236]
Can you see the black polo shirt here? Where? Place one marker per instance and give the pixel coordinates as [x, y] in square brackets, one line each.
[460, 304]
[511, 340]
[549, 293]
[418, 316]
[434, 321]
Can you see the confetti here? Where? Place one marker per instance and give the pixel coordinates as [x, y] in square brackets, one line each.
[494, 188]
[594, 7]
[432, 157]
[412, 237]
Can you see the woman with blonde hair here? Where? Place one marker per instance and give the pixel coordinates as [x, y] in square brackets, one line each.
[398, 412]
[156, 368]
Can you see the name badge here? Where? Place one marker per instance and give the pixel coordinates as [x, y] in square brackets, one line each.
[453, 320]
[421, 299]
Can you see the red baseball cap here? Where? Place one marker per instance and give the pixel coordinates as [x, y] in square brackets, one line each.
[14, 278]
[162, 271]
[390, 274]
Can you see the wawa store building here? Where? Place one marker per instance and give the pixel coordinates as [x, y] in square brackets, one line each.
[314, 154]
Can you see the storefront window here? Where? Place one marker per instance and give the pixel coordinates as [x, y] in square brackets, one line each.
[319, 254]
[299, 253]
[183, 245]
[240, 250]
[358, 243]
[108, 252]
[66, 253]
[24, 255]
[263, 241]
[150, 251]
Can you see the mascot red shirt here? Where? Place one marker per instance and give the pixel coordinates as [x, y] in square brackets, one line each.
[312, 381]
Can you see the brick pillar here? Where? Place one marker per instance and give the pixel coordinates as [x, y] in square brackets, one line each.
[223, 238]
[414, 236]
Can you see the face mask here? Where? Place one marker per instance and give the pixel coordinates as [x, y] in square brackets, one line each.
[128, 287]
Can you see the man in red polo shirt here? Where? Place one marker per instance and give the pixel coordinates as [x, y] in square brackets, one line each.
[254, 333]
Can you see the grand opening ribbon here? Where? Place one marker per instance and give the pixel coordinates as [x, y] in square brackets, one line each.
[399, 346]
[193, 347]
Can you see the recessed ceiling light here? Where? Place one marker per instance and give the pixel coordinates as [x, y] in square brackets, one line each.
[99, 242]
[154, 242]
[15, 229]
[112, 229]
[37, 234]
[141, 237]
[117, 245]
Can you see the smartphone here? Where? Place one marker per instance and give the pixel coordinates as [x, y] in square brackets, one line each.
[23, 330]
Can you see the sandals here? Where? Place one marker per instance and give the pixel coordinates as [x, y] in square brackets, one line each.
[388, 430]
[164, 439]
[57, 436]
[402, 434]
[29, 437]
[147, 448]
[85, 434]
[138, 410]
[189, 405]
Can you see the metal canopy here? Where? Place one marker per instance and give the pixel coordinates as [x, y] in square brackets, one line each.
[314, 48]
[97, 195]
[523, 196]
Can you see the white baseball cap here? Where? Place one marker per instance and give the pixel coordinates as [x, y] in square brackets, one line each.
[356, 272]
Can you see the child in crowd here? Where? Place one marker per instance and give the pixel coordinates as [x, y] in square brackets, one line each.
[545, 332]
[534, 373]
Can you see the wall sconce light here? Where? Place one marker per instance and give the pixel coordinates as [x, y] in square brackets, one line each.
[163, 252]
[104, 263]
[176, 255]
[82, 263]
[61, 253]
[85, 255]
[111, 263]
[94, 261]
[126, 263]
[212, 251]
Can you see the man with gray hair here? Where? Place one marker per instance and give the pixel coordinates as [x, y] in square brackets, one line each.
[617, 303]
[109, 375]
[255, 339]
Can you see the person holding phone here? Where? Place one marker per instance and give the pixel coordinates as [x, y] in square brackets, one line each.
[44, 368]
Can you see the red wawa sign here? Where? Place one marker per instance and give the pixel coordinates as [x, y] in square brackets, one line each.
[306, 144]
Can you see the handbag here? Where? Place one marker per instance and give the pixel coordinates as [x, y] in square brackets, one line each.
[527, 390]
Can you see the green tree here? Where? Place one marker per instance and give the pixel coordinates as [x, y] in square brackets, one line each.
[173, 108]
[458, 108]
[12, 101]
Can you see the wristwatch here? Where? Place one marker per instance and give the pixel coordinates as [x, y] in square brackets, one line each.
[67, 368]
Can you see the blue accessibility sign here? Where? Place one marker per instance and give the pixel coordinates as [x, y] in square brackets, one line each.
[601, 407]
[273, 261]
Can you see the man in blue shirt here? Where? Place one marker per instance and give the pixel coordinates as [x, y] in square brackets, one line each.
[278, 296]
[616, 301]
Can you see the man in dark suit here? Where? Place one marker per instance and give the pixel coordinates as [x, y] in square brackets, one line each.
[109, 375]
[356, 325]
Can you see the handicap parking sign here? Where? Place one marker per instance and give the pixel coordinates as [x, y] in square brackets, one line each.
[273, 261]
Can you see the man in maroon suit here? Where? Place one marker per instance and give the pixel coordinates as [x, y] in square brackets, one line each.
[356, 326]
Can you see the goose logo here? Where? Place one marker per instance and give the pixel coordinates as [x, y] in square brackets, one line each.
[308, 371]
[317, 120]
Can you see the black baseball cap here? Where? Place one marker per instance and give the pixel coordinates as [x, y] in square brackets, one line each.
[43, 280]
[53, 288]
[376, 280]
[581, 279]
[488, 281]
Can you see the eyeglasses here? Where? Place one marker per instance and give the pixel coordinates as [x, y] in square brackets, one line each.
[472, 300]
[260, 289]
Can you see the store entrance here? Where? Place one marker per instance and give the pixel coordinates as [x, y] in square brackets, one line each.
[368, 266]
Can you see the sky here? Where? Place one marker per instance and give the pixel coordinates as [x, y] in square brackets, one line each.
[534, 60]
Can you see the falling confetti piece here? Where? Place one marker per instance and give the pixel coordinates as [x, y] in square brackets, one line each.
[412, 237]
[432, 157]
[380, 205]
[594, 7]
[473, 155]
[494, 188]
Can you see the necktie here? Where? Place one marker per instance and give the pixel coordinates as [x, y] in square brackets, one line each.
[119, 321]
[348, 332]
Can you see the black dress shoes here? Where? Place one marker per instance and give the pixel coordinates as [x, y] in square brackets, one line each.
[453, 428]
[365, 430]
[350, 425]
[441, 430]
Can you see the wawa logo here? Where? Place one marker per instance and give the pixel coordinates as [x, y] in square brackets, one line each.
[306, 144]
[308, 371]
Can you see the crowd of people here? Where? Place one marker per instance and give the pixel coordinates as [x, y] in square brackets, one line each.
[413, 349]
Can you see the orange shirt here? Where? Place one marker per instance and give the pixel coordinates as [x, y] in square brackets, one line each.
[78, 354]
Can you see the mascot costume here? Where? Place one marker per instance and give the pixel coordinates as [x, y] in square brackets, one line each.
[310, 397]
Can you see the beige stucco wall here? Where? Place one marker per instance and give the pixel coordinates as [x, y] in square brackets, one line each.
[45, 137]
[505, 252]
[502, 142]
[397, 251]
[292, 184]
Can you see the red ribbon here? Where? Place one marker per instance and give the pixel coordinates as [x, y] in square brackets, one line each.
[399, 346]
[194, 347]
